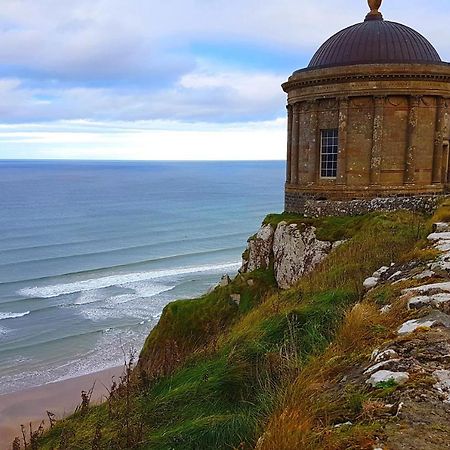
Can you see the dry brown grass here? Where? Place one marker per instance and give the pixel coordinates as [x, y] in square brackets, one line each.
[314, 403]
[442, 213]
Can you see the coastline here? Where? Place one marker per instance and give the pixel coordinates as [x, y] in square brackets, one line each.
[60, 397]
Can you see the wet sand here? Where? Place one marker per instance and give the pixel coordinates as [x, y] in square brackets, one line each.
[61, 398]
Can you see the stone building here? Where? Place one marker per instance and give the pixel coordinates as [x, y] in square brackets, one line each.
[368, 122]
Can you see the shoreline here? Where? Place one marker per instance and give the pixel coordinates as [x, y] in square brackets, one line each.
[60, 398]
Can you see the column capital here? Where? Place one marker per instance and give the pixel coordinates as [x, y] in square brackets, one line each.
[343, 98]
[296, 107]
[415, 99]
[380, 99]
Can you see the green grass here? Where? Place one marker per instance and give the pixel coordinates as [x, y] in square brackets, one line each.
[217, 370]
[327, 228]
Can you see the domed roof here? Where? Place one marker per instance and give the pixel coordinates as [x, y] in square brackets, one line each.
[375, 41]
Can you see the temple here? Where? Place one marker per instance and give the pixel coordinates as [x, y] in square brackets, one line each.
[368, 122]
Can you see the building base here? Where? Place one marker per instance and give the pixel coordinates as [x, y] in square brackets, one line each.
[299, 203]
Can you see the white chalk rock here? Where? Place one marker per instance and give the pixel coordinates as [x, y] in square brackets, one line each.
[443, 383]
[419, 302]
[236, 298]
[296, 251]
[435, 318]
[439, 236]
[225, 281]
[395, 275]
[442, 245]
[386, 355]
[380, 365]
[443, 287]
[370, 282]
[440, 227]
[441, 264]
[259, 250]
[412, 325]
[380, 272]
[383, 376]
[425, 274]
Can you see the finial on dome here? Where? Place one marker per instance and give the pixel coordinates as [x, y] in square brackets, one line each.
[374, 14]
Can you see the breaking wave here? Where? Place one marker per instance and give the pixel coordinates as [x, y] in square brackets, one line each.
[9, 315]
[121, 280]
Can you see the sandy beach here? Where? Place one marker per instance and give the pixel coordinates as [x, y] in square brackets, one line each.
[61, 398]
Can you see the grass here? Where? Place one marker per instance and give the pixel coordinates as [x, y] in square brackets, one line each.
[214, 374]
[328, 228]
[315, 401]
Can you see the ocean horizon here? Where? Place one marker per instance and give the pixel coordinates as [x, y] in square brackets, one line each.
[92, 251]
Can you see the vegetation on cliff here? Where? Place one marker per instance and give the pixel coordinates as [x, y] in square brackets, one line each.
[249, 365]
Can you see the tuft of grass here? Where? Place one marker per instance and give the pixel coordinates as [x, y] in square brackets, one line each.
[314, 402]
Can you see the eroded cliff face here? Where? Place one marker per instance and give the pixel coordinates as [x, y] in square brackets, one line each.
[292, 250]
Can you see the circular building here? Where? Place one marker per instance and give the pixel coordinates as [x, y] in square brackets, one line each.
[368, 122]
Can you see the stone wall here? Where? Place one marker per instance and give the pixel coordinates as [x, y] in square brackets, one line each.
[310, 207]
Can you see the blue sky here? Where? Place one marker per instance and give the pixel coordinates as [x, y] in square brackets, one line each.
[180, 79]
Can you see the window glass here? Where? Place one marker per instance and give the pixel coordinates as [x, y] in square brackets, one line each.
[328, 153]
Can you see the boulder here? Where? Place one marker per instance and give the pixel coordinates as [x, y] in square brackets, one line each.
[383, 376]
[370, 282]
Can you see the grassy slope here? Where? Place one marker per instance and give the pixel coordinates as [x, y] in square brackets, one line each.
[213, 375]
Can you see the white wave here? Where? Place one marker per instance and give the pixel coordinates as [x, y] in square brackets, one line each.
[147, 290]
[5, 315]
[88, 297]
[121, 280]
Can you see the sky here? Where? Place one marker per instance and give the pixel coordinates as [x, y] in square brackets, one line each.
[174, 79]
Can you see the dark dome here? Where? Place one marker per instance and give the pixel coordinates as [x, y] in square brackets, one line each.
[372, 42]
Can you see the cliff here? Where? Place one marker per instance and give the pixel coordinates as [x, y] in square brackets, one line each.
[334, 335]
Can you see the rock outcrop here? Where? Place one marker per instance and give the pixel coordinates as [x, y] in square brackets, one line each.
[259, 250]
[292, 250]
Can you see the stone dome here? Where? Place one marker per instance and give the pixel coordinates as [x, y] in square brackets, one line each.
[375, 41]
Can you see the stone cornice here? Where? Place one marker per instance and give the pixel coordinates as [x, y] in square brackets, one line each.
[368, 72]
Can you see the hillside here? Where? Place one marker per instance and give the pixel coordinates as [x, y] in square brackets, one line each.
[251, 365]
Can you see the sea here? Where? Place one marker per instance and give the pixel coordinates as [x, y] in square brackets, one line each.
[91, 252]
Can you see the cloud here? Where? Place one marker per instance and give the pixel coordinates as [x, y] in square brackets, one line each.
[207, 94]
[185, 61]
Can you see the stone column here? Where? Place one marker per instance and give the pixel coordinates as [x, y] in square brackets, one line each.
[377, 140]
[295, 143]
[289, 143]
[313, 142]
[342, 150]
[438, 141]
[410, 163]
